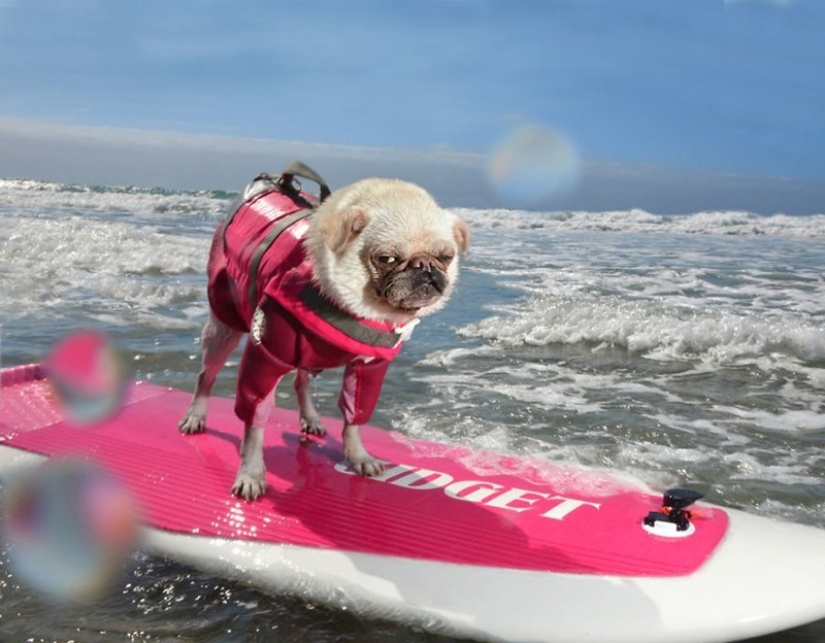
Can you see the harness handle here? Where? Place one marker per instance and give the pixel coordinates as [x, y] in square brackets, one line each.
[297, 168]
[284, 182]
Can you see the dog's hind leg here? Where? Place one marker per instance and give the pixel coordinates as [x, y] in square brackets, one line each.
[217, 342]
[310, 418]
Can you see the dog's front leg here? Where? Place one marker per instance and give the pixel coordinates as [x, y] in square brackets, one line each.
[359, 394]
[250, 482]
[356, 453]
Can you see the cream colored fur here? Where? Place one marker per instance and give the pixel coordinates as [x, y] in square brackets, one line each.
[392, 214]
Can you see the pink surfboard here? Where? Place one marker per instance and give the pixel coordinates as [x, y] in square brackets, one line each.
[570, 546]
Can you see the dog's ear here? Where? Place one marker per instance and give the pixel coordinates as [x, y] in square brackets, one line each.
[341, 229]
[461, 234]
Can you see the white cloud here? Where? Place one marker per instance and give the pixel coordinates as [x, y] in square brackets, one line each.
[110, 156]
[107, 156]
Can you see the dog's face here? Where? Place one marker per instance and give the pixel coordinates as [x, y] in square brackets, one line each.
[383, 249]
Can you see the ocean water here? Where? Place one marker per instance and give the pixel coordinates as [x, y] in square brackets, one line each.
[672, 350]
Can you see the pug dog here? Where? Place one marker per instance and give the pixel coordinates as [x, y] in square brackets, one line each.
[317, 286]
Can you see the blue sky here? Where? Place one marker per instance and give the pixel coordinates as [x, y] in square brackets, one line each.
[711, 87]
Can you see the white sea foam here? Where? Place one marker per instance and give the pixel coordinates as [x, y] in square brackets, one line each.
[658, 331]
[115, 263]
[38, 198]
[112, 248]
[640, 221]
[785, 469]
[487, 453]
[809, 420]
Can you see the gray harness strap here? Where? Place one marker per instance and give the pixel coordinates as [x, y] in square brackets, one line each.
[268, 240]
[348, 325]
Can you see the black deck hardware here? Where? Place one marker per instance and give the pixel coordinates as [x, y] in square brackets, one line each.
[675, 503]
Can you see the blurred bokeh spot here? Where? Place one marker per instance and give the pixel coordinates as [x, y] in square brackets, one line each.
[71, 529]
[533, 164]
[87, 376]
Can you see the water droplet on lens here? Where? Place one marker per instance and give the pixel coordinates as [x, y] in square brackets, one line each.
[87, 376]
[533, 164]
[71, 527]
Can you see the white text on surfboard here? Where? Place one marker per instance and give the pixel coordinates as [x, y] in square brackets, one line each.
[483, 492]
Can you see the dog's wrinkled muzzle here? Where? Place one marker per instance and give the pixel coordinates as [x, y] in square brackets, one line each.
[420, 285]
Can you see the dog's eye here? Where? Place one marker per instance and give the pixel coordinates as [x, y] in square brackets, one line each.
[386, 260]
[446, 259]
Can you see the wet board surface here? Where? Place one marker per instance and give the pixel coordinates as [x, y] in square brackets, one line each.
[434, 501]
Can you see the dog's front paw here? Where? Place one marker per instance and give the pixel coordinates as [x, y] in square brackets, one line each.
[194, 421]
[369, 466]
[312, 425]
[362, 463]
[249, 487]
[360, 460]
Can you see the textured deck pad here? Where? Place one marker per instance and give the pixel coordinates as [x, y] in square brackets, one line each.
[435, 501]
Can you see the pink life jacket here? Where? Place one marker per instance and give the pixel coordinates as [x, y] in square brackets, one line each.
[260, 282]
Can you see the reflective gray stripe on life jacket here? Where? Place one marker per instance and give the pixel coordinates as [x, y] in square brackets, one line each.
[347, 324]
[281, 225]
